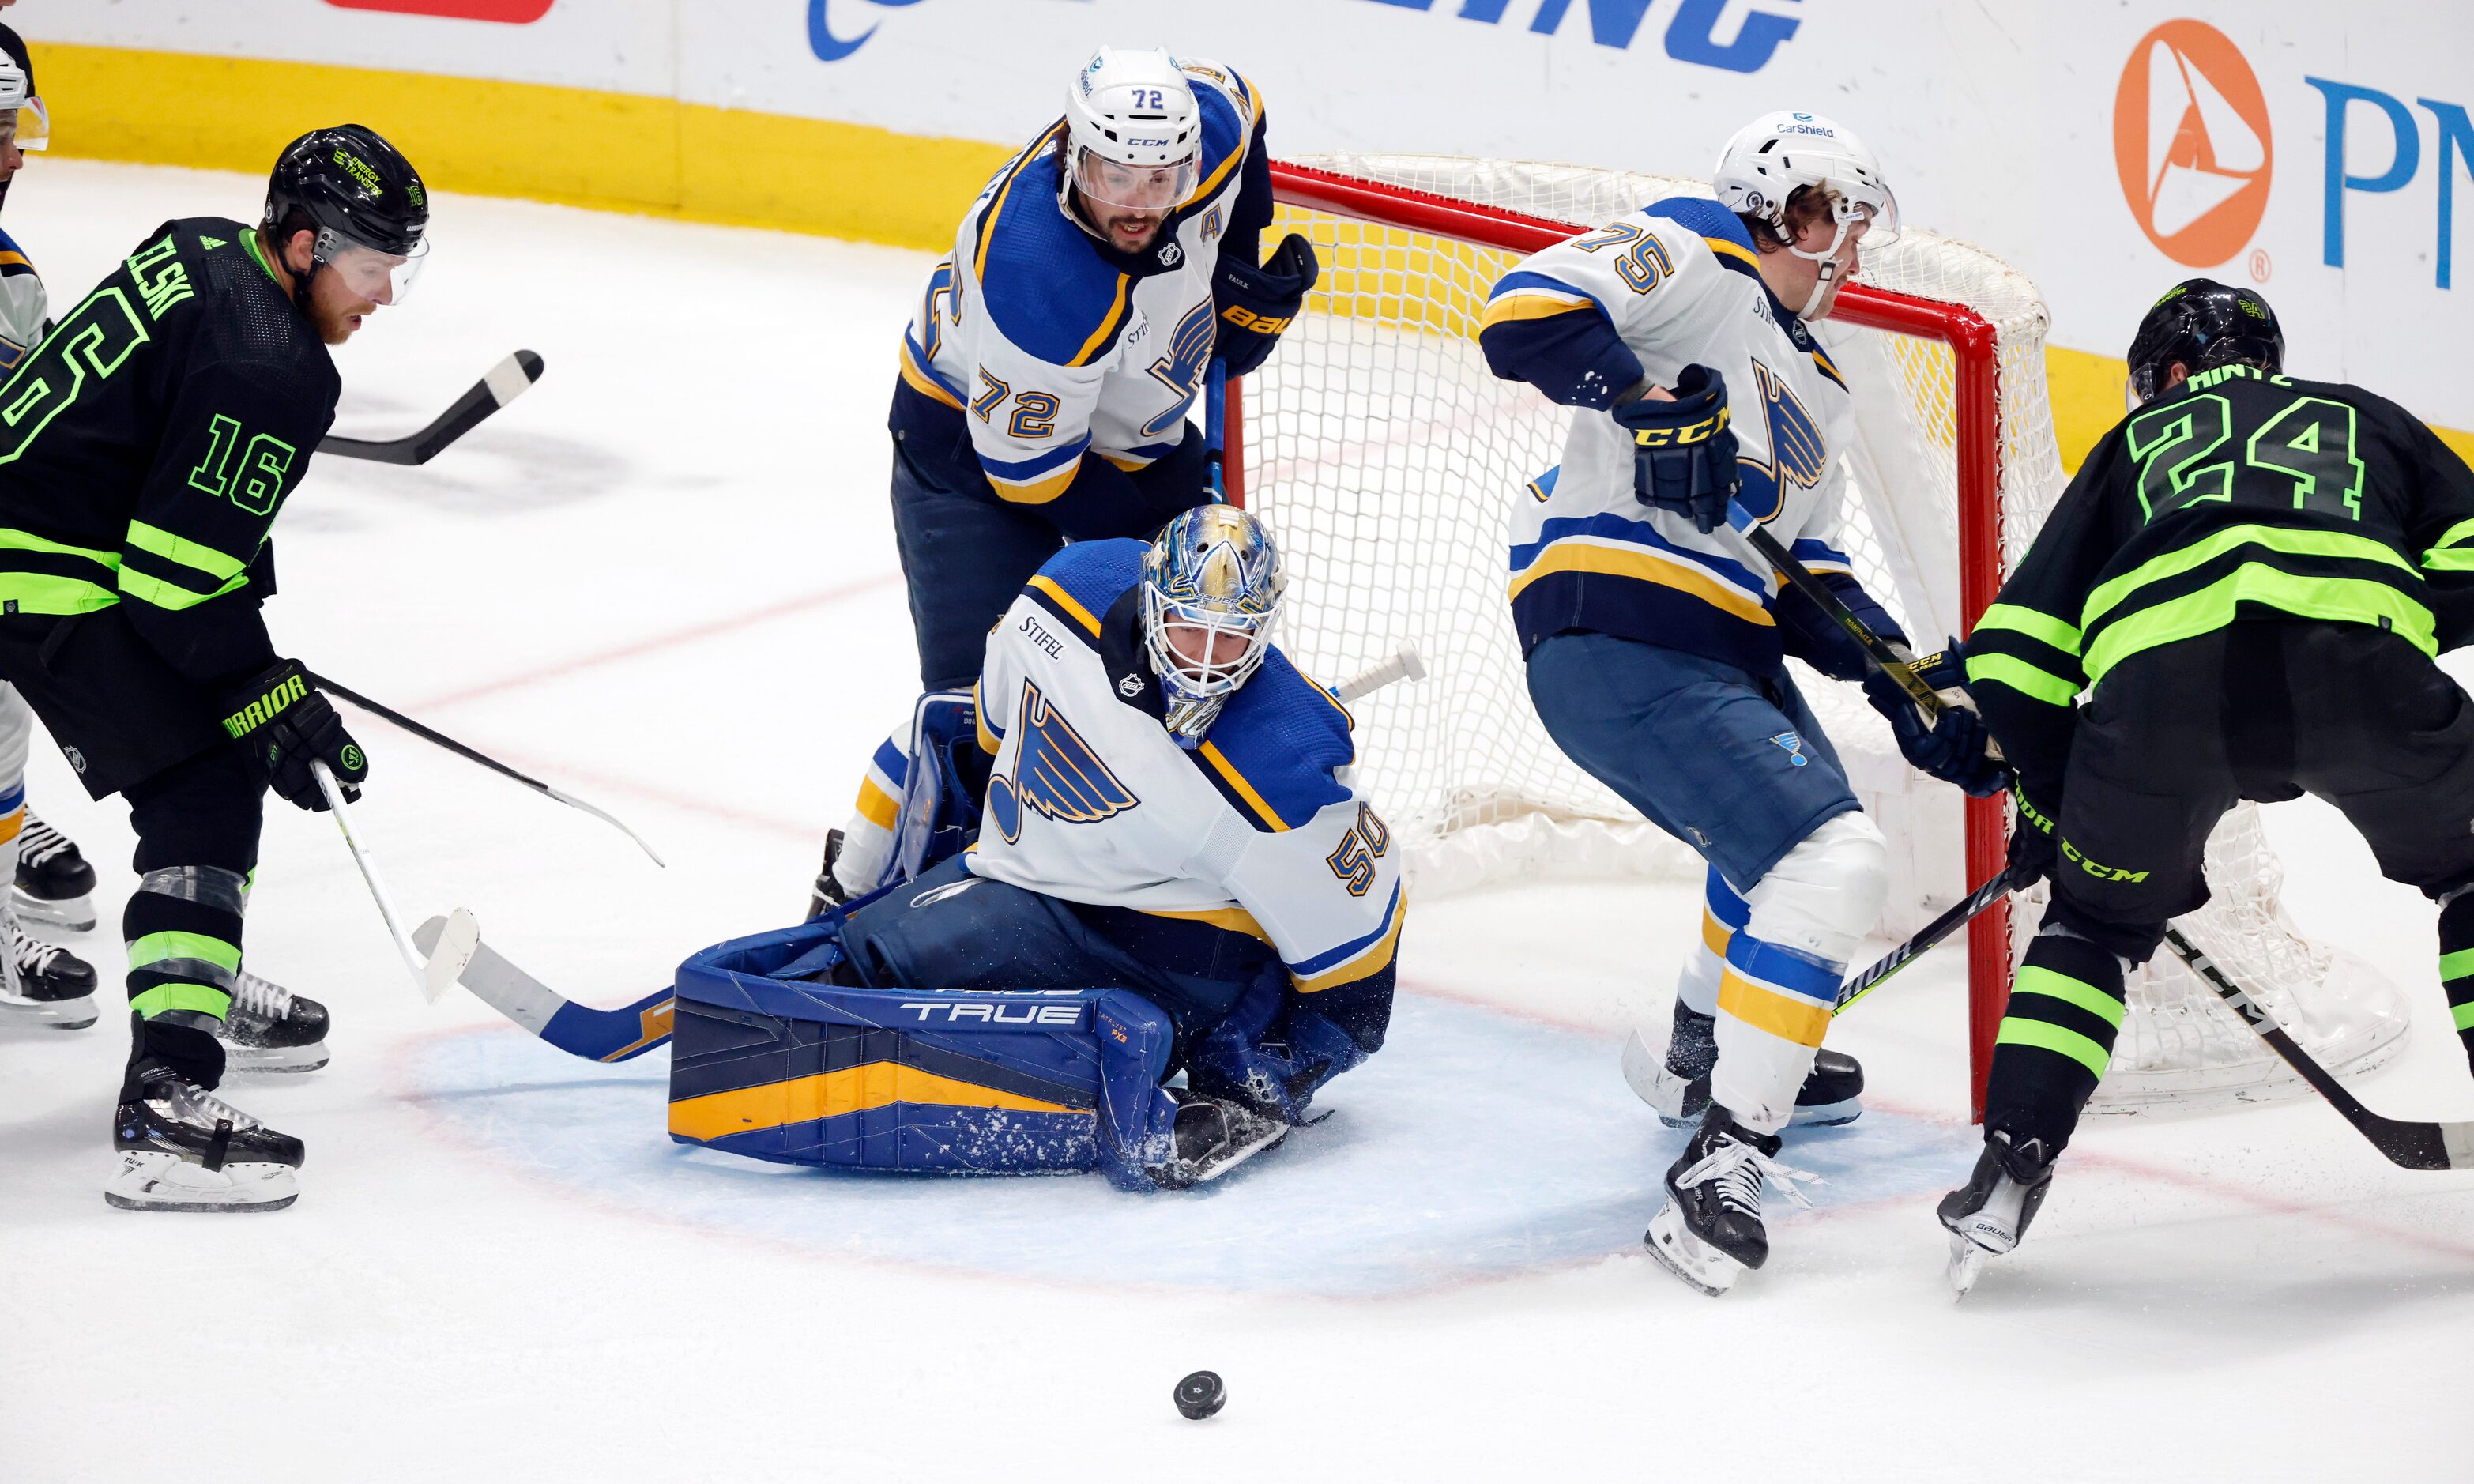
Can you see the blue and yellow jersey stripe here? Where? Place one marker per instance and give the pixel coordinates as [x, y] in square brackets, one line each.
[1369, 953]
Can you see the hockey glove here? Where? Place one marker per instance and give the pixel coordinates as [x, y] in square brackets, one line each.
[2035, 843]
[1256, 304]
[284, 725]
[1953, 746]
[1683, 453]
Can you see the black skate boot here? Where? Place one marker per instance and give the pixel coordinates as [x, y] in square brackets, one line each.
[1710, 1230]
[1678, 1086]
[1214, 1137]
[55, 885]
[1990, 1213]
[46, 984]
[183, 1149]
[827, 893]
[270, 1029]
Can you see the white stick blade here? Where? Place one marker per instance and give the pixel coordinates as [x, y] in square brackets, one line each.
[457, 940]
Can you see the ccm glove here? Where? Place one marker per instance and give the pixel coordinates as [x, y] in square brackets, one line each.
[284, 725]
[1953, 746]
[2035, 844]
[1684, 453]
[1256, 304]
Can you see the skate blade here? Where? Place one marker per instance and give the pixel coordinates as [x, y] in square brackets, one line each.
[168, 1182]
[1827, 1115]
[74, 914]
[1273, 1139]
[1966, 1265]
[1695, 1261]
[57, 1014]
[275, 1060]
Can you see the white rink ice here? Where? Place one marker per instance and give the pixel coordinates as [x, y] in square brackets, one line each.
[666, 580]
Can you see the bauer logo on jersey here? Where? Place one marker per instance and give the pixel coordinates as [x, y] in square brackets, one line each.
[1055, 773]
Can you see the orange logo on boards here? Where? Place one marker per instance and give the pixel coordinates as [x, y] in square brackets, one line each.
[2191, 140]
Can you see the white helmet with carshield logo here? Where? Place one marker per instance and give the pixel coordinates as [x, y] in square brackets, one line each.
[1776, 154]
[1134, 133]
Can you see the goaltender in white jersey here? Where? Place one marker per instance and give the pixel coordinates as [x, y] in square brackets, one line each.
[1166, 814]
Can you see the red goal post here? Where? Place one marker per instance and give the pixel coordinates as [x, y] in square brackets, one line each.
[1975, 348]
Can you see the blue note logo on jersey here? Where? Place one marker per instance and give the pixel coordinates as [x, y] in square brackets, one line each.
[1794, 747]
[1798, 454]
[1055, 773]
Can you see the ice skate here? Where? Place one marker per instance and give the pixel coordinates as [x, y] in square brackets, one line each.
[1710, 1230]
[1214, 1137]
[46, 984]
[1677, 1084]
[55, 885]
[183, 1149]
[1990, 1213]
[270, 1029]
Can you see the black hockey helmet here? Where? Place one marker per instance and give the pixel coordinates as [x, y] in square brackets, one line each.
[355, 191]
[2203, 323]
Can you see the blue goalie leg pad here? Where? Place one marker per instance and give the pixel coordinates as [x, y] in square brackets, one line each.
[1137, 1115]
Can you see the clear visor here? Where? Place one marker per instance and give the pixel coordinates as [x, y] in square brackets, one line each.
[26, 126]
[1205, 650]
[1107, 183]
[383, 277]
[1881, 218]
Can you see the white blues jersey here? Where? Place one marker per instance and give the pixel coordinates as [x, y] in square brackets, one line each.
[1671, 285]
[1093, 802]
[1064, 358]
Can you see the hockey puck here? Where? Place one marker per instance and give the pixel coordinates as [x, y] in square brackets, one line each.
[1200, 1395]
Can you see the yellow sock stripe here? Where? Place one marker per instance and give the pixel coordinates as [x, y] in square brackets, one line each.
[1716, 935]
[12, 826]
[1763, 1009]
[876, 806]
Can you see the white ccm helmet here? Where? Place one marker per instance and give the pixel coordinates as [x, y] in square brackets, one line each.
[34, 131]
[1769, 158]
[1134, 133]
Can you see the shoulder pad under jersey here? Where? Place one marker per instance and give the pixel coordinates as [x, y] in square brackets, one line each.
[1275, 747]
[1042, 277]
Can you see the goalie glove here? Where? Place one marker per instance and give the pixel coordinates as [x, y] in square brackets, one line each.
[283, 724]
[1256, 304]
[1954, 746]
[1683, 453]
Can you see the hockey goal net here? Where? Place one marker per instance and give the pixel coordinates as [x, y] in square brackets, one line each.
[1387, 459]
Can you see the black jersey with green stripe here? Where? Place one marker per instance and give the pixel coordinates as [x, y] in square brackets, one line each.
[2238, 494]
[146, 446]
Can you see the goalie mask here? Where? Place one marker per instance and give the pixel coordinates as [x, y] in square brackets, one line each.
[1211, 592]
[1133, 135]
[1776, 155]
[2203, 324]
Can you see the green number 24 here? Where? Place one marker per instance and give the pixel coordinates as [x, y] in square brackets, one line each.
[2310, 441]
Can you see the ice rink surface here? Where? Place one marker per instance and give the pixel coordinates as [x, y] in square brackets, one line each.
[665, 581]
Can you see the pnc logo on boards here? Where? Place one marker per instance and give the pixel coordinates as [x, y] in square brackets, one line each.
[514, 12]
[2191, 143]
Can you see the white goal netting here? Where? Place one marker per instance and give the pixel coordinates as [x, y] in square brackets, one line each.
[1387, 459]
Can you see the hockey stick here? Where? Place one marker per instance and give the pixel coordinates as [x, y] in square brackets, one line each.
[2410, 1144]
[635, 1029]
[459, 936]
[1892, 659]
[2004, 883]
[506, 382]
[469, 755]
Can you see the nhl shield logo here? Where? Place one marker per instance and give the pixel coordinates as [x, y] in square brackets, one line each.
[77, 759]
[1131, 687]
[1169, 253]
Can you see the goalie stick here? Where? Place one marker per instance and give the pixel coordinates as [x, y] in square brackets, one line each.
[470, 755]
[505, 381]
[632, 1030]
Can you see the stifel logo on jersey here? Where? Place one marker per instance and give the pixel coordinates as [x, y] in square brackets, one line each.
[514, 13]
[2191, 142]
